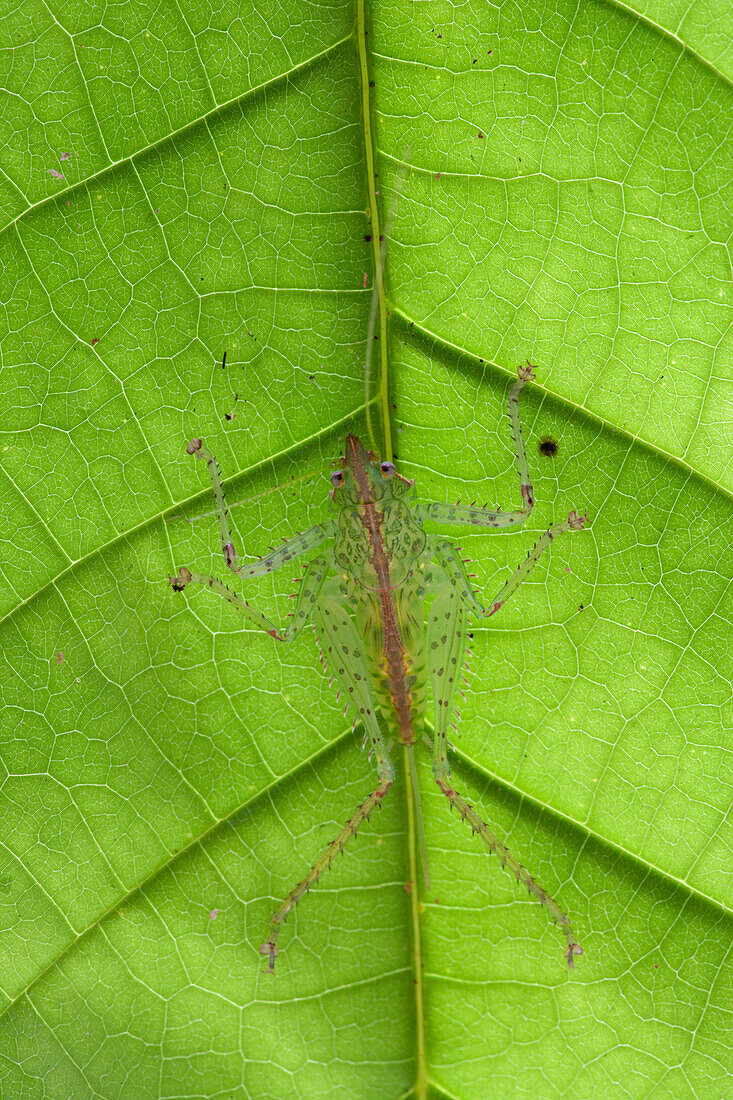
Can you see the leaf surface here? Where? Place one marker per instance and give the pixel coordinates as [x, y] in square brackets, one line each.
[180, 184]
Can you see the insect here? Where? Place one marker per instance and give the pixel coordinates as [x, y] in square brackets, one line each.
[365, 595]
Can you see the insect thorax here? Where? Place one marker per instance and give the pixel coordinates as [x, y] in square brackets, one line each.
[377, 544]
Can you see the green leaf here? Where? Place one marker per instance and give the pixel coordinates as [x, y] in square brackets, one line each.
[177, 184]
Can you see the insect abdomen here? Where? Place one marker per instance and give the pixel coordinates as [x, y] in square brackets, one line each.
[391, 623]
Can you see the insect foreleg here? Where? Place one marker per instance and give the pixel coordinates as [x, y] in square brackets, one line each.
[343, 652]
[469, 513]
[308, 594]
[485, 517]
[446, 639]
[293, 548]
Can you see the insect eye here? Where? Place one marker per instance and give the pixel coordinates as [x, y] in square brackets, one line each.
[337, 479]
[388, 469]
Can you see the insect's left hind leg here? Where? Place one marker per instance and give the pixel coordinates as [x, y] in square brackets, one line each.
[386, 776]
[344, 652]
[508, 862]
[446, 647]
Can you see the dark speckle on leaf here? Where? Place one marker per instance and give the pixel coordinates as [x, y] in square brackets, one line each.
[548, 446]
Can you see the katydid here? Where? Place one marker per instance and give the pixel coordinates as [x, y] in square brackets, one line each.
[365, 596]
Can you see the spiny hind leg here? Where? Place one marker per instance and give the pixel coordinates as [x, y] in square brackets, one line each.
[386, 777]
[446, 647]
[344, 656]
[508, 862]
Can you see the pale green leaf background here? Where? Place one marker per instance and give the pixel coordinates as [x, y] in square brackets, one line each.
[177, 182]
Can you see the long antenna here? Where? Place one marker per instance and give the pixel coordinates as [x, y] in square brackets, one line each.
[420, 827]
[378, 296]
[248, 500]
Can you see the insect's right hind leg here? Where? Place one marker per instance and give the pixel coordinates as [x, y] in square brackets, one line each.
[446, 648]
[386, 778]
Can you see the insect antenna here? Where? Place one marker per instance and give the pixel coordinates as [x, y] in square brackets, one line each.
[249, 500]
[418, 815]
[379, 305]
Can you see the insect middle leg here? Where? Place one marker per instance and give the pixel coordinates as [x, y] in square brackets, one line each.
[447, 626]
[344, 655]
[308, 595]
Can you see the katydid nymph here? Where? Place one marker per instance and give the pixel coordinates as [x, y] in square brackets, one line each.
[365, 595]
